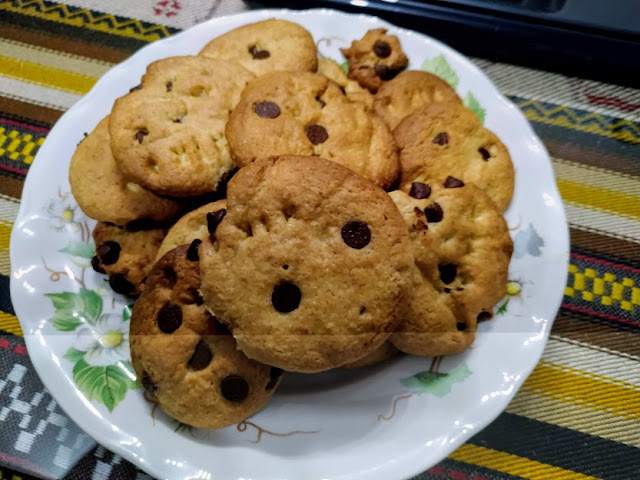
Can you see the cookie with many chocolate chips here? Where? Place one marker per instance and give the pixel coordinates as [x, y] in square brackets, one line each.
[168, 136]
[104, 193]
[443, 140]
[125, 255]
[266, 46]
[284, 113]
[375, 59]
[462, 248]
[186, 359]
[410, 91]
[310, 265]
[194, 225]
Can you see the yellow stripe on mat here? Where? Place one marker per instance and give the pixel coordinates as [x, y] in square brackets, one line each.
[596, 177]
[600, 199]
[513, 464]
[48, 76]
[9, 323]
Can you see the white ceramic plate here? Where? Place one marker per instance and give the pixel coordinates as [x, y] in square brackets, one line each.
[387, 422]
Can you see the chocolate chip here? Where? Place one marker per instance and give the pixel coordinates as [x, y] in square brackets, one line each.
[356, 234]
[120, 284]
[258, 54]
[140, 134]
[169, 277]
[169, 317]
[109, 252]
[483, 316]
[485, 154]
[420, 190]
[192, 252]
[321, 102]
[148, 384]
[286, 297]
[434, 213]
[461, 326]
[169, 86]
[201, 356]
[382, 49]
[220, 328]
[95, 264]
[362, 310]
[214, 219]
[448, 272]
[267, 110]
[274, 375]
[441, 138]
[137, 87]
[285, 267]
[234, 388]
[453, 182]
[317, 134]
[447, 290]
[381, 70]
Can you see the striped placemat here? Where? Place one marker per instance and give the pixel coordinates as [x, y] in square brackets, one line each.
[576, 417]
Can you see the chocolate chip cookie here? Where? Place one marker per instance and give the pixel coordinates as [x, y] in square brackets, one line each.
[352, 89]
[168, 135]
[462, 248]
[186, 360]
[443, 140]
[104, 193]
[310, 266]
[375, 59]
[266, 46]
[125, 255]
[410, 91]
[284, 113]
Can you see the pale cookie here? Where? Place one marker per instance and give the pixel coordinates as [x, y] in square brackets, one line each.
[382, 353]
[375, 59]
[310, 266]
[104, 193]
[411, 91]
[443, 140]
[353, 90]
[192, 226]
[168, 135]
[185, 359]
[462, 248]
[266, 46]
[125, 255]
[284, 113]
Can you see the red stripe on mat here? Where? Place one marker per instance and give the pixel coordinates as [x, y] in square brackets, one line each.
[11, 169]
[600, 314]
[24, 125]
[604, 262]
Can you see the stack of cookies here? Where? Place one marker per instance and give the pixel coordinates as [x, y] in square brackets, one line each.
[272, 213]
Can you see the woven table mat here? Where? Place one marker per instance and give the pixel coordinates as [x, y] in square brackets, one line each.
[578, 414]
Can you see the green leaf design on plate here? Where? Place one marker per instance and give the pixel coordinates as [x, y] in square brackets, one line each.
[72, 309]
[126, 313]
[503, 308]
[471, 102]
[440, 67]
[80, 249]
[345, 66]
[107, 385]
[74, 355]
[438, 384]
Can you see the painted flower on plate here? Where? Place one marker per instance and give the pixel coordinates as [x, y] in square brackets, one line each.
[106, 342]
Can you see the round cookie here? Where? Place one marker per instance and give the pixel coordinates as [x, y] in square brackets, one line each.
[353, 90]
[186, 360]
[266, 46]
[375, 59]
[462, 248]
[192, 225]
[384, 352]
[168, 135]
[284, 113]
[104, 193]
[125, 255]
[443, 140]
[310, 265]
[410, 91]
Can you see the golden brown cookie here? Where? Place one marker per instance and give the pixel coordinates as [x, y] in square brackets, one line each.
[382, 353]
[310, 265]
[284, 113]
[266, 46]
[353, 90]
[104, 193]
[168, 135]
[125, 255]
[185, 359]
[375, 59]
[410, 91]
[193, 225]
[443, 140]
[462, 248]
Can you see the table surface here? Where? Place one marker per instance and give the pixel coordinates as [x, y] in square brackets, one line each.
[578, 414]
